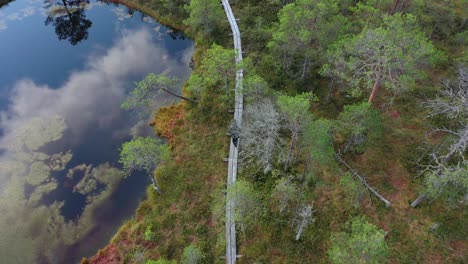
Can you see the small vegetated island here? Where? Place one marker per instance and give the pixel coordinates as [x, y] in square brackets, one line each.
[352, 148]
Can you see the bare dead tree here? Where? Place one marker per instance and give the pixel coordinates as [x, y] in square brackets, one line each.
[260, 134]
[451, 104]
[305, 216]
[362, 180]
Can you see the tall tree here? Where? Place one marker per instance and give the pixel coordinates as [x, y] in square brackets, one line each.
[285, 195]
[219, 66]
[365, 243]
[144, 153]
[447, 175]
[443, 20]
[393, 56]
[260, 139]
[296, 112]
[247, 206]
[452, 105]
[450, 182]
[206, 16]
[305, 28]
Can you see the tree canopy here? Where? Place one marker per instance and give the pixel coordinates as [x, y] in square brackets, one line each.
[143, 153]
[356, 124]
[393, 55]
[364, 243]
[296, 113]
[305, 28]
[205, 16]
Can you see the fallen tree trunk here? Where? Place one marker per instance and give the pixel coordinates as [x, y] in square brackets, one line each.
[155, 185]
[418, 200]
[362, 180]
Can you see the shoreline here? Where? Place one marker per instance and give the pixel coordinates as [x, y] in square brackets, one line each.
[165, 21]
[110, 251]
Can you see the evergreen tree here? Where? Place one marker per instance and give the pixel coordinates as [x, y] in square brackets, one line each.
[393, 55]
[365, 243]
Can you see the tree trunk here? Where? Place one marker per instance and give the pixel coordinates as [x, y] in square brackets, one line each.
[299, 231]
[291, 147]
[330, 90]
[66, 7]
[178, 96]
[375, 89]
[305, 67]
[155, 186]
[306, 167]
[394, 7]
[363, 181]
[418, 200]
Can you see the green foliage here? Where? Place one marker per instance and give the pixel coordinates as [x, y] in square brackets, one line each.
[370, 12]
[247, 203]
[305, 28]
[219, 66]
[441, 19]
[143, 153]
[149, 233]
[356, 124]
[254, 87]
[196, 86]
[352, 190]
[285, 196]
[206, 16]
[451, 183]
[146, 91]
[296, 112]
[296, 109]
[192, 255]
[365, 243]
[317, 140]
[393, 55]
[161, 261]
[193, 182]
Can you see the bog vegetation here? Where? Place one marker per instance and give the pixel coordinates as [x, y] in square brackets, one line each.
[353, 146]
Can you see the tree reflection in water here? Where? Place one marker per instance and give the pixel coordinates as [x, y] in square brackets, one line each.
[69, 19]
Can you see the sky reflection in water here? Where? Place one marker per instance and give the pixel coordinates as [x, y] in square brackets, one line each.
[62, 125]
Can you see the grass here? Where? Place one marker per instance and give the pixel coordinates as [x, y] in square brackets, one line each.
[181, 215]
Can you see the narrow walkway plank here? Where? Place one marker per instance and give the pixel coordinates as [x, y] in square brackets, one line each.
[231, 249]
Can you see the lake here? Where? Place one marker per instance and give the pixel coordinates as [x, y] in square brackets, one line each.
[65, 69]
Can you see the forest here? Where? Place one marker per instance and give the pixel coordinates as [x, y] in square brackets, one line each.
[352, 146]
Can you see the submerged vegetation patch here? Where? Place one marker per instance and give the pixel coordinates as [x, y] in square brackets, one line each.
[26, 220]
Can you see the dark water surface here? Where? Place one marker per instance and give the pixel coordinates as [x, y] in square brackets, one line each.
[65, 68]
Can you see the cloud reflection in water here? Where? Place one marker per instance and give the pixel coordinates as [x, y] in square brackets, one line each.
[30, 231]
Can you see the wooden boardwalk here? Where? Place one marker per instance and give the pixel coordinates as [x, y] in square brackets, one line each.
[231, 249]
